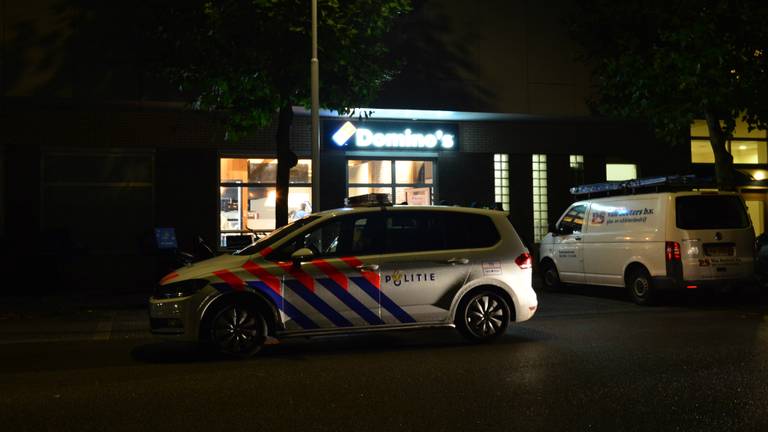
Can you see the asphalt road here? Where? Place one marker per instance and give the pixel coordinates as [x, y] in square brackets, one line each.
[587, 361]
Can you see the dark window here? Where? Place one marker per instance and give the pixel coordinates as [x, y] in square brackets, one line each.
[103, 201]
[408, 231]
[573, 220]
[411, 231]
[469, 231]
[343, 236]
[711, 212]
[114, 168]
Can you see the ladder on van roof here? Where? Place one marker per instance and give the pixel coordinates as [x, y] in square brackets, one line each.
[644, 185]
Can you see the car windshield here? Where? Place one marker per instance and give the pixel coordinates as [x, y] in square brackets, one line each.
[711, 212]
[276, 236]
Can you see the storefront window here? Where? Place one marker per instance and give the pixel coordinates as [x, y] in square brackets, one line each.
[413, 172]
[748, 152]
[248, 195]
[619, 172]
[540, 200]
[501, 180]
[369, 171]
[405, 181]
[576, 163]
[744, 152]
[701, 151]
[747, 147]
[413, 195]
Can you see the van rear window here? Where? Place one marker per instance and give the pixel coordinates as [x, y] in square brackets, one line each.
[711, 212]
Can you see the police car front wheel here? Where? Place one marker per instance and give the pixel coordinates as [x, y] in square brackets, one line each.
[483, 316]
[238, 330]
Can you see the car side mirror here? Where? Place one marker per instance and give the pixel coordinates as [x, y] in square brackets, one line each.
[301, 255]
[553, 229]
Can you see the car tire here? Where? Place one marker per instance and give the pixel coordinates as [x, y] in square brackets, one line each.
[238, 330]
[640, 287]
[482, 316]
[550, 277]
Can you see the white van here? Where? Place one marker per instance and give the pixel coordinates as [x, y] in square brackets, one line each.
[647, 242]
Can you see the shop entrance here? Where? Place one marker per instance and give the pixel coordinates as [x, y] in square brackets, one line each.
[409, 182]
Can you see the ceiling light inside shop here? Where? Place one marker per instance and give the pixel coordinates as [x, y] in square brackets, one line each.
[760, 175]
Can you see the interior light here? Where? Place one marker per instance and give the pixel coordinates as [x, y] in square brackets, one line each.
[742, 147]
[759, 175]
[271, 200]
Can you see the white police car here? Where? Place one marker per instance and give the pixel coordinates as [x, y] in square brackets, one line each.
[353, 270]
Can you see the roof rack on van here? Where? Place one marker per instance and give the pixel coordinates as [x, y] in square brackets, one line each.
[644, 185]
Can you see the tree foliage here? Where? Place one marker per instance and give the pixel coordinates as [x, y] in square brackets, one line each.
[670, 62]
[250, 60]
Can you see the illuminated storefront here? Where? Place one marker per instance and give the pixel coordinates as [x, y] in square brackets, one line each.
[393, 157]
[421, 157]
[248, 194]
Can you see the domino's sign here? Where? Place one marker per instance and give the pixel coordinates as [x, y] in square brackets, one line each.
[384, 136]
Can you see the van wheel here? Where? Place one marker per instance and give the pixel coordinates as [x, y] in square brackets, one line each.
[482, 316]
[550, 277]
[238, 330]
[640, 287]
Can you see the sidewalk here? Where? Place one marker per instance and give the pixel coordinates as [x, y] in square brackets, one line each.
[73, 316]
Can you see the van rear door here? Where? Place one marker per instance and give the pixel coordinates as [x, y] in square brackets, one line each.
[717, 237]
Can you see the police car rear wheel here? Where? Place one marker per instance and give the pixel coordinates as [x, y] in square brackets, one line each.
[238, 330]
[483, 316]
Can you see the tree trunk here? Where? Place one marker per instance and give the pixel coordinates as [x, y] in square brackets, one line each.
[286, 159]
[723, 159]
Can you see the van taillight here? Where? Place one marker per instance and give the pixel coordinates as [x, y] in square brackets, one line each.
[524, 261]
[672, 251]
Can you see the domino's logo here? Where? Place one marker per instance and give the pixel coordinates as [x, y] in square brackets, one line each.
[345, 132]
[365, 138]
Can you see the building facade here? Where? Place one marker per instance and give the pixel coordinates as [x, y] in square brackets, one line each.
[88, 190]
[490, 110]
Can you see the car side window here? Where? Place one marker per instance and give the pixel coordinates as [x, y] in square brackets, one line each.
[410, 231]
[343, 236]
[573, 220]
[365, 236]
[469, 231]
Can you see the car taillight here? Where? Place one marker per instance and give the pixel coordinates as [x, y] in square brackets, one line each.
[524, 261]
[672, 251]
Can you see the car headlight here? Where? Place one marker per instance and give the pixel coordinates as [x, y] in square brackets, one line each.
[180, 289]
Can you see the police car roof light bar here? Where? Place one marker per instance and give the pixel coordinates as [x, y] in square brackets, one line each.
[644, 185]
[368, 200]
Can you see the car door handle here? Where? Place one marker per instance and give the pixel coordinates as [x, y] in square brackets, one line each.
[455, 261]
[368, 267]
[577, 238]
